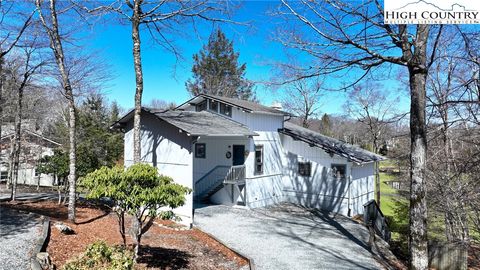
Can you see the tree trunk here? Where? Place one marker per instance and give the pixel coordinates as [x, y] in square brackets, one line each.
[137, 230]
[138, 80]
[121, 227]
[17, 142]
[57, 48]
[10, 164]
[72, 155]
[377, 182]
[418, 243]
[58, 189]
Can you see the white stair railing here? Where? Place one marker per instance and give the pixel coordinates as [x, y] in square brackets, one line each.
[210, 180]
[236, 175]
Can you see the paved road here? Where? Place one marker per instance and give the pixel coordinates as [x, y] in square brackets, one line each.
[19, 232]
[289, 237]
[32, 196]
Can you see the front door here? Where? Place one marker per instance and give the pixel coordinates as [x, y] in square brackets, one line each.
[238, 155]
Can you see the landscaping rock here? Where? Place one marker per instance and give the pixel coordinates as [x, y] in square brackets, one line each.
[45, 262]
[64, 228]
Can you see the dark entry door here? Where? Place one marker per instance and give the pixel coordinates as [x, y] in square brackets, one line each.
[238, 155]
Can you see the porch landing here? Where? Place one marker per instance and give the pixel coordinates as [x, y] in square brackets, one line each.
[289, 237]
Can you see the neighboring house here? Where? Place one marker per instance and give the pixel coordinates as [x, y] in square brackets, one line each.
[232, 151]
[33, 147]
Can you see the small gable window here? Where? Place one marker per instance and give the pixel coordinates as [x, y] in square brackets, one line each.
[258, 159]
[226, 109]
[305, 168]
[201, 106]
[213, 106]
[339, 171]
[200, 150]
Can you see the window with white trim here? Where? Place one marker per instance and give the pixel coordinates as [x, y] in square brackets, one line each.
[258, 159]
[226, 109]
[200, 150]
[305, 168]
[339, 171]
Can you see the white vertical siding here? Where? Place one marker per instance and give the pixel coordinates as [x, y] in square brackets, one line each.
[266, 188]
[362, 186]
[170, 151]
[216, 149]
[26, 176]
[320, 190]
[258, 121]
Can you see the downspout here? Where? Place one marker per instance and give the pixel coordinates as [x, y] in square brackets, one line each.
[349, 192]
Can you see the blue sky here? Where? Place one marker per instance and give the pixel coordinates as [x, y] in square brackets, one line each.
[165, 76]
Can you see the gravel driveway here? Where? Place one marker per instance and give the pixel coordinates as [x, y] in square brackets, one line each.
[18, 234]
[289, 237]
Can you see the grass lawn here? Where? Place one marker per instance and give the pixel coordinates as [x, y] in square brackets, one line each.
[387, 202]
[387, 205]
[384, 187]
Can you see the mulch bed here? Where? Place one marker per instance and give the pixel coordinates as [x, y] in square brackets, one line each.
[162, 248]
[474, 257]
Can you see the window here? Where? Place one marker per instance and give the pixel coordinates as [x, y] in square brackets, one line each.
[305, 168]
[3, 175]
[258, 159]
[213, 106]
[201, 106]
[36, 173]
[200, 150]
[339, 171]
[226, 109]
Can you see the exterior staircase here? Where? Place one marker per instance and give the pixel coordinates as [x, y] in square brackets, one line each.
[213, 181]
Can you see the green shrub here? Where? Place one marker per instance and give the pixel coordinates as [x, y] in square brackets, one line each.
[101, 256]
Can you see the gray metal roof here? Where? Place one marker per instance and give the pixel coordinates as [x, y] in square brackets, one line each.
[330, 145]
[196, 123]
[204, 123]
[244, 104]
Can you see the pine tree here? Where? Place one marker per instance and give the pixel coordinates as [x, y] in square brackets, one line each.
[216, 70]
[326, 125]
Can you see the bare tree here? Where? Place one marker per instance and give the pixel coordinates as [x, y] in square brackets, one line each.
[349, 38]
[302, 98]
[9, 38]
[375, 110]
[51, 27]
[160, 19]
[156, 103]
[453, 138]
[371, 107]
[23, 69]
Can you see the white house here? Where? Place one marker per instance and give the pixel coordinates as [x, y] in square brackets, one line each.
[34, 146]
[231, 151]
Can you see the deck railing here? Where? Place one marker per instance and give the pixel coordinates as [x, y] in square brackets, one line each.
[210, 180]
[374, 217]
[236, 175]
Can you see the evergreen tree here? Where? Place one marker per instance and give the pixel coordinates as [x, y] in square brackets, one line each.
[326, 125]
[216, 70]
[97, 145]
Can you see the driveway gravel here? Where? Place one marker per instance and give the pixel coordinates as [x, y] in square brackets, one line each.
[289, 237]
[19, 232]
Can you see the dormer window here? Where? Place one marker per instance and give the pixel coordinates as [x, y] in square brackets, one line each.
[213, 106]
[201, 106]
[226, 109]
